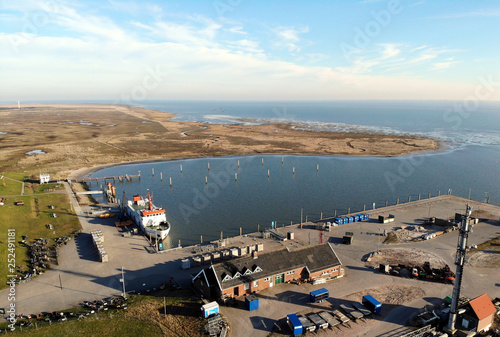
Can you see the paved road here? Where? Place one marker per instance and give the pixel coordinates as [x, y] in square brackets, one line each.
[83, 277]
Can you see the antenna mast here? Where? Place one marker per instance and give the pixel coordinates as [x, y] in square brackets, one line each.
[459, 261]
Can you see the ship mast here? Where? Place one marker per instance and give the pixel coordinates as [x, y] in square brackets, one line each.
[150, 202]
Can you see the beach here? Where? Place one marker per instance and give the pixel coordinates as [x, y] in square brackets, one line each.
[85, 137]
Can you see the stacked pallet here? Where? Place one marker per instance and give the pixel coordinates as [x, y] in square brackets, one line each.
[98, 239]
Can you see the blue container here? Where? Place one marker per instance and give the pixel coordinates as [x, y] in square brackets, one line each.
[294, 324]
[372, 304]
[367, 217]
[319, 295]
[252, 302]
[350, 219]
[356, 218]
[339, 221]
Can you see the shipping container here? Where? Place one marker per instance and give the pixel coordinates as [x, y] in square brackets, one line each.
[319, 295]
[252, 302]
[294, 324]
[339, 221]
[372, 304]
[210, 309]
[356, 218]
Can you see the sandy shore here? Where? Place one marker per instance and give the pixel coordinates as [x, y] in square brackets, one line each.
[80, 138]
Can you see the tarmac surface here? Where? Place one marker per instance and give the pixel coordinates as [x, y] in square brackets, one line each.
[81, 276]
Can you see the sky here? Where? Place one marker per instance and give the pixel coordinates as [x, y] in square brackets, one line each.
[133, 51]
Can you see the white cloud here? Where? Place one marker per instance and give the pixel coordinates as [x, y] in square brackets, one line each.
[390, 50]
[400, 59]
[477, 13]
[288, 37]
[94, 57]
[237, 30]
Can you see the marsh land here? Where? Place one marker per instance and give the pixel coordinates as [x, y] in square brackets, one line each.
[72, 137]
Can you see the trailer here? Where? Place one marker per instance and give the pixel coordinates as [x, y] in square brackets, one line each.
[343, 318]
[332, 321]
[372, 304]
[319, 295]
[318, 321]
[210, 309]
[294, 324]
[348, 238]
[361, 308]
[351, 311]
[388, 219]
[307, 324]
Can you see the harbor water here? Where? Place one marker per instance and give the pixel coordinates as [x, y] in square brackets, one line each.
[214, 195]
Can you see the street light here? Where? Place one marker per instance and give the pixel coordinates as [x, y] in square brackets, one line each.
[122, 280]
[379, 234]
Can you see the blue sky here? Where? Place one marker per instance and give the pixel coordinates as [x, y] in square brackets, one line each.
[131, 51]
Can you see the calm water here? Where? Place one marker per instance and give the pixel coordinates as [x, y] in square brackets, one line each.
[195, 208]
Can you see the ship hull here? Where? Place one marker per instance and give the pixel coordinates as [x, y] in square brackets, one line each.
[152, 231]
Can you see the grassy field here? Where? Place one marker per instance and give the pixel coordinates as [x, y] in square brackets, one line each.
[144, 317]
[10, 187]
[32, 220]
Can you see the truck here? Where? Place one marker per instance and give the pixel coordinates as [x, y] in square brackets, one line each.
[294, 324]
[319, 295]
[372, 304]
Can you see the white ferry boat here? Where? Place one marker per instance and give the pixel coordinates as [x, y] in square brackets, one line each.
[151, 219]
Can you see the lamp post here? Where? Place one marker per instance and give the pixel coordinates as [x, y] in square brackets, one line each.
[122, 280]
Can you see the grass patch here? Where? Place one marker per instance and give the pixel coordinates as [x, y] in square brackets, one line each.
[490, 245]
[31, 220]
[52, 187]
[144, 317]
[10, 187]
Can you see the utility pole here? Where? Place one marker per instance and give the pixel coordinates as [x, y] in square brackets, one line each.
[459, 261]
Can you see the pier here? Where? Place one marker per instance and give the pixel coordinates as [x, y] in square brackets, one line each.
[127, 177]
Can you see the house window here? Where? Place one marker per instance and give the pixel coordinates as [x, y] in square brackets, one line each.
[247, 286]
[255, 284]
[267, 279]
[324, 273]
[290, 272]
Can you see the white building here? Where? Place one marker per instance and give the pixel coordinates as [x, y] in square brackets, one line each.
[44, 178]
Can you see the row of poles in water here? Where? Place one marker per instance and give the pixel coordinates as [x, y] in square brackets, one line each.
[235, 174]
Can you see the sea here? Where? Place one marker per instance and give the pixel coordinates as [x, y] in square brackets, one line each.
[219, 197]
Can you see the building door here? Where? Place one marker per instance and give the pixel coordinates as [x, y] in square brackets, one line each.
[236, 291]
[279, 279]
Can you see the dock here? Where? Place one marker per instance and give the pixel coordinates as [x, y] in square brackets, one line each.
[127, 177]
